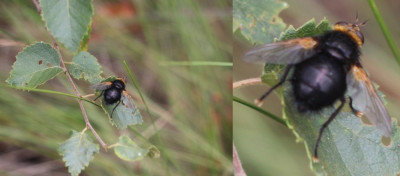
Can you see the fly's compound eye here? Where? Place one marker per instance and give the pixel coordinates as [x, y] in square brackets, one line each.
[360, 35]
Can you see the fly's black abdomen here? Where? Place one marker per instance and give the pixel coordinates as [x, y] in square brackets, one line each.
[318, 82]
[112, 95]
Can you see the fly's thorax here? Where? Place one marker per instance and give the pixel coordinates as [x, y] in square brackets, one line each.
[118, 84]
[340, 45]
[352, 29]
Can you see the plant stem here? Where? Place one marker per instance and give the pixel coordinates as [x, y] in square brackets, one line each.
[140, 92]
[253, 106]
[88, 95]
[114, 145]
[103, 144]
[37, 6]
[385, 31]
[51, 92]
[141, 95]
[147, 109]
[247, 82]
[237, 165]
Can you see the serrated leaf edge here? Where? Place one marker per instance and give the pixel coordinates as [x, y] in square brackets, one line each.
[119, 144]
[111, 120]
[12, 67]
[83, 75]
[80, 139]
[81, 39]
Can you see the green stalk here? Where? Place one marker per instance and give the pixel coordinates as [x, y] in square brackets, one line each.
[140, 92]
[253, 106]
[158, 138]
[51, 92]
[386, 33]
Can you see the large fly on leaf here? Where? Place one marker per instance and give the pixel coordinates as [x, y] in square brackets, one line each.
[324, 68]
[112, 90]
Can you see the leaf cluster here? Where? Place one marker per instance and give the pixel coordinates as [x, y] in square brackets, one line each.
[69, 21]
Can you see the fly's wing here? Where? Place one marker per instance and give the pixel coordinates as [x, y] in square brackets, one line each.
[101, 86]
[127, 102]
[125, 113]
[284, 52]
[366, 100]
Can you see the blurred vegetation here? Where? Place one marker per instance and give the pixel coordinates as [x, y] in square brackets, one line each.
[266, 147]
[191, 104]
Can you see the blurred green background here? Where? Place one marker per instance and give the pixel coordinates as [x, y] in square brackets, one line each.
[191, 104]
[266, 147]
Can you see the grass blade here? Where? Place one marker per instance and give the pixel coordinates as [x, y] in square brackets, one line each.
[385, 31]
[253, 106]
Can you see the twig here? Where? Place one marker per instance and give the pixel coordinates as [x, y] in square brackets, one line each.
[88, 95]
[7, 43]
[237, 165]
[39, 9]
[103, 144]
[247, 82]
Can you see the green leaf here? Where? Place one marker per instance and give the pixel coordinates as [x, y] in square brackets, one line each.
[125, 113]
[271, 73]
[308, 29]
[84, 65]
[77, 152]
[127, 150]
[35, 65]
[67, 20]
[258, 20]
[153, 152]
[348, 147]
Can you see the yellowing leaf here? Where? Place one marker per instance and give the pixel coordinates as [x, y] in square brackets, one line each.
[258, 20]
[68, 20]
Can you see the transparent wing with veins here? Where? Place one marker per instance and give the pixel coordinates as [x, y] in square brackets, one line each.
[366, 99]
[126, 100]
[284, 52]
[101, 86]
